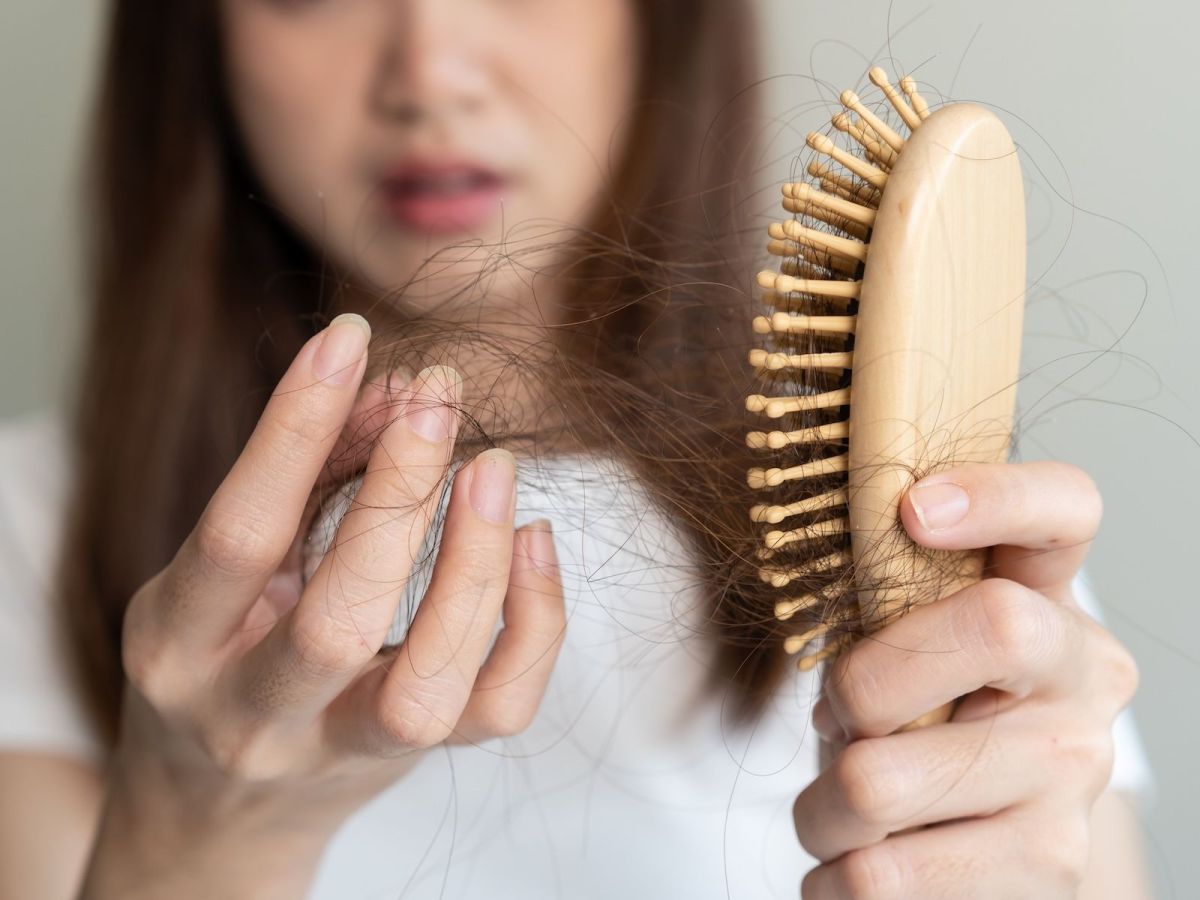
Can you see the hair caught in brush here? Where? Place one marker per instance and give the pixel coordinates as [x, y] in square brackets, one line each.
[894, 345]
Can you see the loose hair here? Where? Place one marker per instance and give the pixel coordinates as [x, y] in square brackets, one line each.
[202, 294]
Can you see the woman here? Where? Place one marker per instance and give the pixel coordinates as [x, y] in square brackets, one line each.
[519, 181]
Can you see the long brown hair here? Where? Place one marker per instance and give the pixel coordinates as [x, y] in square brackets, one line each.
[201, 296]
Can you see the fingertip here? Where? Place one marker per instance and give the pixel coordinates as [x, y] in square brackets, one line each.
[492, 487]
[339, 356]
[498, 453]
[446, 380]
[935, 507]
[535, 546]
[355, 319]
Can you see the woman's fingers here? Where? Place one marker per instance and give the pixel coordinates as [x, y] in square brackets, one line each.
[994, 633]
[1013, 854]
[1040, 517]
[380, 399]
[349, 604]
[416, 700]
[878, 786]
[510, 686]
[248, 525]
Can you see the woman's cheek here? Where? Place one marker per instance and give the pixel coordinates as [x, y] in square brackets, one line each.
[580, 72]
[297, 93]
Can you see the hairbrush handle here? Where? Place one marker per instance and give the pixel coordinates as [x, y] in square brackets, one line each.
[937, 349]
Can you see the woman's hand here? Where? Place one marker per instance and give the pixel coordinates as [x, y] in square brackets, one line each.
[1008, 784]
[259, 715]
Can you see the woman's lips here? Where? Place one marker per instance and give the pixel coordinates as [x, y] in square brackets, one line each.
[443, 199]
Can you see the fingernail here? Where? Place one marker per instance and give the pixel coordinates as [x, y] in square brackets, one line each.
[539, 548]
[431, 408]
[493, 485]
[343, 344]
[939, 505]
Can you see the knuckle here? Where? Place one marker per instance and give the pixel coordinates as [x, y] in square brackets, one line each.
[412, 484]
[375, 533]
[853, 690]
[146, 669]
[320, 647]
[500, 719]
[1087, 758]
[873, 873]
[480, 565]
[302, 424]
[472, 581]
[241, 754]
[1122, 669]
[1063, 856]
[235, 545]
[865, 778]
[1010, 622]
[412, 724]
[146, 658]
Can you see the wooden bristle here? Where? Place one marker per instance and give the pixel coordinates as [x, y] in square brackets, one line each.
[761, 359]
[876, 177]
[776, 514]
[782, 577]
[851, 101]
[838, 185]
[806, 366]
[877, 151]
[908, 84]
[829, 651]
[808, 197]
[907, 113]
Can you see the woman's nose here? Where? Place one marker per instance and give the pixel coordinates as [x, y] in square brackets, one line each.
[434, 60]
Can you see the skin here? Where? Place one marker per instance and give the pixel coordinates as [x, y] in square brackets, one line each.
[1008, 785]
[277, 711]
[330, 94]
[261, 711]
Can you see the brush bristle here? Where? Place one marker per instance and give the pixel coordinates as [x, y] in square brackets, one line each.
[806, 367]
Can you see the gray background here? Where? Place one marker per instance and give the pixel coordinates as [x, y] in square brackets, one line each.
[1099, 94]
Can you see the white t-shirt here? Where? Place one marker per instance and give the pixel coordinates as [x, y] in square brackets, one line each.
[611, 792]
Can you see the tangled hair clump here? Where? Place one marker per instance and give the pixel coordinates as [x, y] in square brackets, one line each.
[201, 294]
[649, 367]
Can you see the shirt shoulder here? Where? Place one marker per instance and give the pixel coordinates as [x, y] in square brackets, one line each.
[33, 485]
[38, 709]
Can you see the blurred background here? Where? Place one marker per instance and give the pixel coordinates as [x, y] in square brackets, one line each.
[1095, 94]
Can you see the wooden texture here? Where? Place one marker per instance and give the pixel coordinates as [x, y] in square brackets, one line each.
[937, 347]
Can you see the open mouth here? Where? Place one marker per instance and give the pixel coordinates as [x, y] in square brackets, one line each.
[450, 199]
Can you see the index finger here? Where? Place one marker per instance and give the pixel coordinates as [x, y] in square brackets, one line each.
[245, 531]
[994, 633]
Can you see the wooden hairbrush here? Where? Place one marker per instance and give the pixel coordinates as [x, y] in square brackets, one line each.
[891, 351]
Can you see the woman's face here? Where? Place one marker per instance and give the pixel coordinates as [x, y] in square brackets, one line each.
[385, 130]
